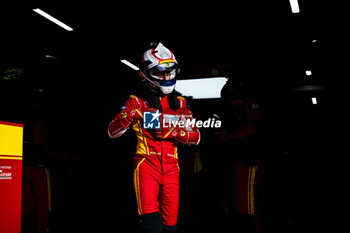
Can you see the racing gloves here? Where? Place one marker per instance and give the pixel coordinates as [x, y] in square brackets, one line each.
[184, 133]
[123, 121]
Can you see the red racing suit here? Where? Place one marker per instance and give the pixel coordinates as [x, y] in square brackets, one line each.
[156, 169]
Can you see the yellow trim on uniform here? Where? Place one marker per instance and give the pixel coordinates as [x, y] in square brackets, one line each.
[144, 139]
[251, 182]
[137, 187]
[181, 98]
[48, 180]
[141, 146]
[139, 112]
[167, 134]
[176, 155]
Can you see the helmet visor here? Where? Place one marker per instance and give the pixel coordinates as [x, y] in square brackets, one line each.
[164, 71]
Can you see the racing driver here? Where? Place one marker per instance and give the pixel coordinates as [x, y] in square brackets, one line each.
[156, 169]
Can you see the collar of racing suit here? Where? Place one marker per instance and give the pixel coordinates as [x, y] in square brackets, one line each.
[154, 98]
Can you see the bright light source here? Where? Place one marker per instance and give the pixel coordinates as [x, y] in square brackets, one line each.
[308, 72]
[314, 100]
[204, 88]
[313, 41]
[50, 56]
[52, 19]
[294, 6]
[132, 66]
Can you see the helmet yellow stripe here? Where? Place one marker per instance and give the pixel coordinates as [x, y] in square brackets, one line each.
[166, 61]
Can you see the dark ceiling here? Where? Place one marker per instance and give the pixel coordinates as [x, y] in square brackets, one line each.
[262, 40]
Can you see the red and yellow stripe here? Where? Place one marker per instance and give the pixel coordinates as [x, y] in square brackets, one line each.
[142, 146]
[251, 182]
[137, 187]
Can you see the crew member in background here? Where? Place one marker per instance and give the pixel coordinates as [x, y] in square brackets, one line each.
[156, 169]
[243, 145]
[36, 181]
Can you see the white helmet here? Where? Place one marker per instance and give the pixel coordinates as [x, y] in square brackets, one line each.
[156, 61]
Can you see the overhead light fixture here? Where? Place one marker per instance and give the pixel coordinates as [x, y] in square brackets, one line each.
[203, 88]
[52, 19]
[308, 72]
[50, 56]
[309, 88]
[132, 66]
[294, 6]
[314, 100]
